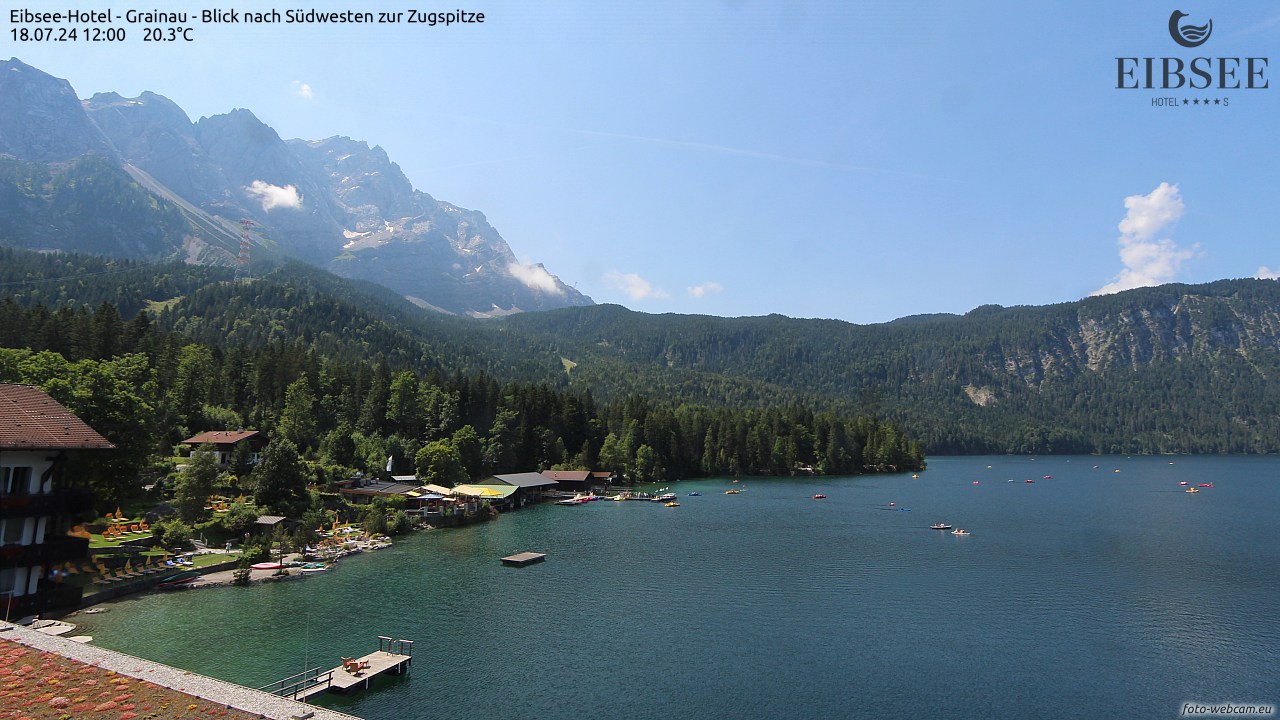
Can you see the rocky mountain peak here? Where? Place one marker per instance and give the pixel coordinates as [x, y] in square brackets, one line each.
[338, 203]
[41, 118]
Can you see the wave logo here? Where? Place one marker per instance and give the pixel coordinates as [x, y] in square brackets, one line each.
[1188, 36]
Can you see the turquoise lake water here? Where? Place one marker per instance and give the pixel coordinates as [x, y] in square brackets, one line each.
[1092, 594]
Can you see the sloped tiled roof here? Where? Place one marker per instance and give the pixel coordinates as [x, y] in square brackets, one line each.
[31, 420]
[220, 437]
[567, 475]
[526, 480]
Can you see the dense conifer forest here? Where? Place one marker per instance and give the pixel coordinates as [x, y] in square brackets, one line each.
[348, 387]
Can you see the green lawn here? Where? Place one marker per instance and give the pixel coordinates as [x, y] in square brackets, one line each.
[97, 541]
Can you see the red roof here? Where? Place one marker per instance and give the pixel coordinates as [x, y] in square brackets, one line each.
[31, 420]
[220, 437]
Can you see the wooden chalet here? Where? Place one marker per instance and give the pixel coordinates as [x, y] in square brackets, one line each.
[225, 443]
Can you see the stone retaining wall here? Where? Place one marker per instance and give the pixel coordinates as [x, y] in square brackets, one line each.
[147, 583]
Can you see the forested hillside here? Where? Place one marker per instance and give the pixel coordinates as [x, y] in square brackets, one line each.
[348, 385]
[1177, 368]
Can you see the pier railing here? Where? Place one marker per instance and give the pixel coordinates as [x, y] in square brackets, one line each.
[395, 647]
[295, 685]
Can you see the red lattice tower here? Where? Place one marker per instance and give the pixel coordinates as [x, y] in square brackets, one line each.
[242, 260]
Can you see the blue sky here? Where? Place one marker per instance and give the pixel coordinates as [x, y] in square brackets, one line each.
[862, 161]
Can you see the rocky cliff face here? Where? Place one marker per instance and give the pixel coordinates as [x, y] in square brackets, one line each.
[41, 120]
[392, 233]
[1131, 331]
[336, 203]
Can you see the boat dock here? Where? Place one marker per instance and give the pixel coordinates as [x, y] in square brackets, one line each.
[524, 558]
[392, 656]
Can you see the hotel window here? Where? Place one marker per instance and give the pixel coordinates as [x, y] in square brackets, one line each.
[16, 481]
[13, 530]
[8, 579]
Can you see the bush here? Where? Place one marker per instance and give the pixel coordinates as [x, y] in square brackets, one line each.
[374, 521]
[255, 550]
[400, 523]
[172, 534]
[328, 475]
[242, 573]
[240, 518]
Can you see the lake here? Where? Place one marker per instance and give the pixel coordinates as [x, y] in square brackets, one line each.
[1105, 590]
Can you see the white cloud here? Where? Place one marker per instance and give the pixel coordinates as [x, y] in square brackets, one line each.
[1148, 259]
[706, 287]
[636, 287]
[535, 277]
[1266, 273]
[302, 90]
[274, 196]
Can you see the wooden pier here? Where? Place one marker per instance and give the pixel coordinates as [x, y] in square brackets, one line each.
[392, 656]
[524, 558]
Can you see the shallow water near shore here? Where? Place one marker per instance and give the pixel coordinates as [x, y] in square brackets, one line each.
[1092, 593]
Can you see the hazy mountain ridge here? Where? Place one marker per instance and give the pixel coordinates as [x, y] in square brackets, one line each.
[335, 203]
[1149, 370]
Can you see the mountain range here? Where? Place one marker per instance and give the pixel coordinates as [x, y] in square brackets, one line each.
[136, 178]
[1168, 369]
[1175, 368]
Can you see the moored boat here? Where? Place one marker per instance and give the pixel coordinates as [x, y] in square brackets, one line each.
[960, 531]
[179, 580]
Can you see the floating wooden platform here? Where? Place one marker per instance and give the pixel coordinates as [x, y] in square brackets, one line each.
[392, 656]
[524, 558]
